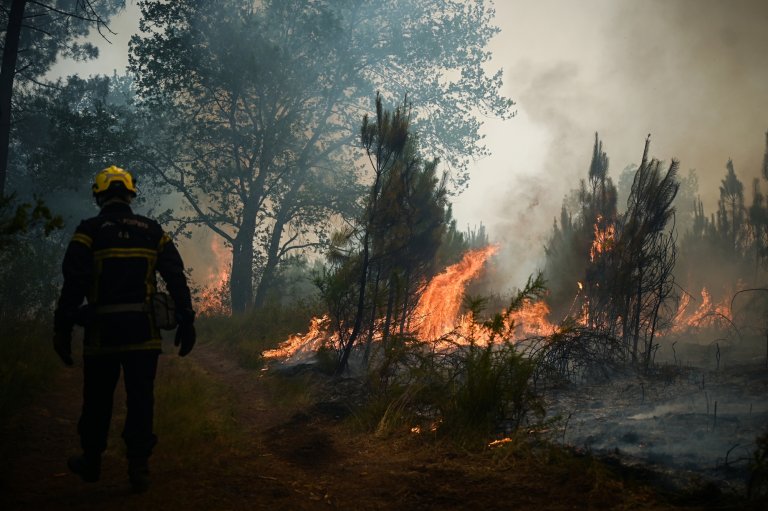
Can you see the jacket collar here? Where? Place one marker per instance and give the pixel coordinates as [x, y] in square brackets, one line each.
[118, 207]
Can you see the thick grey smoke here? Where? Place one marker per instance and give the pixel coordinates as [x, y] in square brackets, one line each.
[695, 74]
[692, 73]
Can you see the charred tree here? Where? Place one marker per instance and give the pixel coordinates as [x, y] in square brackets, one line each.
[647, 249]
[627, 260]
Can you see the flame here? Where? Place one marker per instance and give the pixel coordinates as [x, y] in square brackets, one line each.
[213, 298]
[301, 345]
[439, 305]
[438, 308]
[500, 442]
[603, 240]
[437, 313]
[706, 314]
[532, 320]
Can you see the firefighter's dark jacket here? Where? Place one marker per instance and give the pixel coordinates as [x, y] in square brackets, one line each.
[111, 260]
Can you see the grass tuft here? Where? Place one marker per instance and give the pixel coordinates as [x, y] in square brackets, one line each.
[194, 416]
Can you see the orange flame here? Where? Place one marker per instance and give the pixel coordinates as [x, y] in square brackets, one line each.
[531, 320]
[298, 345]
[437, 312]
[604, 239]
[439, 305]
[213, 298]
[706, 314]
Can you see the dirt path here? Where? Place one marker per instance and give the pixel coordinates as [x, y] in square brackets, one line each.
[287, 459]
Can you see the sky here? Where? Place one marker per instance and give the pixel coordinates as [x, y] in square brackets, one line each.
[692, 73]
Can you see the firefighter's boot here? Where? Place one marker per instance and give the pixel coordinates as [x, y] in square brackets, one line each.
[87, 466]
[138, 474]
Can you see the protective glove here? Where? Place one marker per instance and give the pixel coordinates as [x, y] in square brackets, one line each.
[186, 337]
[62, 344]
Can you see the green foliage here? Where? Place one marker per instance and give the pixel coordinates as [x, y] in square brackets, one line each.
[24, 219]
[54, 29]
[70, 133]
[491, 392]
[469, 395]
[468, 392]
[29, 259]
[380, 263]
[251, 104]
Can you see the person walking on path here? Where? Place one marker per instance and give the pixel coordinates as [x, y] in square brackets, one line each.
[112, 261]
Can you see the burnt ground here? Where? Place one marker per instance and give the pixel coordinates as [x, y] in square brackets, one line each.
[307, 456]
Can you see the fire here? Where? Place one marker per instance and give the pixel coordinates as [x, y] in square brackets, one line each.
[439, 305]
[603, 240]
[532, 320]
[437, 313]
[299, 345]
[706, 314]
[213, 298]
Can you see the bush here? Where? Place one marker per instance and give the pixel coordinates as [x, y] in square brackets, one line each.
[491, 390]
[468, 392]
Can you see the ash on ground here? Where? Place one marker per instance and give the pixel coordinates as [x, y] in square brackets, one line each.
[697, 415]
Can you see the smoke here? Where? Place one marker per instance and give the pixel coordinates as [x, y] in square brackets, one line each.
[693, 74]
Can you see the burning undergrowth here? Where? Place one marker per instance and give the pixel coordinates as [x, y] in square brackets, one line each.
[490, 375]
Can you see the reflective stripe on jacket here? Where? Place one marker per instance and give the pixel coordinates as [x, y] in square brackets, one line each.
[112, 261]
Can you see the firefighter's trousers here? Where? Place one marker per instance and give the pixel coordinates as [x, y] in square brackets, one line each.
[101, 373]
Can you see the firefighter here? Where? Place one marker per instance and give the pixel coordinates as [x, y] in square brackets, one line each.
[111, 262]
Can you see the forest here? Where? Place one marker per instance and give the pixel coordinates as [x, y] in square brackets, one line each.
[357, 348]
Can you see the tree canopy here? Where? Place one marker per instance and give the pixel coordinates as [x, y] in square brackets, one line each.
[252, 106]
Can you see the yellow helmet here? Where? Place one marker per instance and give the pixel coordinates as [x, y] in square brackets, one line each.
[115, 179]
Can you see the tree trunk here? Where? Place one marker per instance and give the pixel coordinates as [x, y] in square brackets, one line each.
[241, 281]
[364, 264]
[406, 289]
[393, 285]
[7, 75]
[372, 325]
[273, 258]
[649, 345]
[638, 311]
